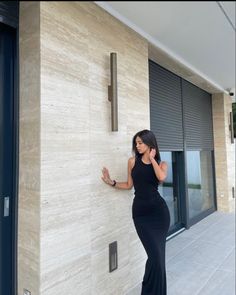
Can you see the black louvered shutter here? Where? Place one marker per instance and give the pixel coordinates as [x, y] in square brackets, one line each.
[197, 106]
[9, 13]
[165, 108]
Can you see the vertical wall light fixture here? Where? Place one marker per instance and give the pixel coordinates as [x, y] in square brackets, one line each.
[112, 92]
[231, 126]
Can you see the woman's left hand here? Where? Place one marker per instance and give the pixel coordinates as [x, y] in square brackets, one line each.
[152, 154]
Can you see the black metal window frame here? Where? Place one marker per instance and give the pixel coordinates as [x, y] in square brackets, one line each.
[9, 15]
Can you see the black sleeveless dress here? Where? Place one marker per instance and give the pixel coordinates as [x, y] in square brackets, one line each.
[152, 220]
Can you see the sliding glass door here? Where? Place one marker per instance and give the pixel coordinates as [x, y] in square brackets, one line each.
[171, 188]
[200, 182]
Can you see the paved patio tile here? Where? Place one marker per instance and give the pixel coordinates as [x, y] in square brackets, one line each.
[220, 283]
[201, 260]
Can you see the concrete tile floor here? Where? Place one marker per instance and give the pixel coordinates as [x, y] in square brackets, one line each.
[201, 260]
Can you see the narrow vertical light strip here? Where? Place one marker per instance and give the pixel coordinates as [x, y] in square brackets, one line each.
[231, 127]
[112, 92]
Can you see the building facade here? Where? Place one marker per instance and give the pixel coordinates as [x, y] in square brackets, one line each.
[59, 216]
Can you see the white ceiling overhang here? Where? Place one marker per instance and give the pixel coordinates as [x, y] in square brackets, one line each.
[199, 35]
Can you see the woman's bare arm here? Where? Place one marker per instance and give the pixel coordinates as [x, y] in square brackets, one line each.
[120, 185]
[160, 170]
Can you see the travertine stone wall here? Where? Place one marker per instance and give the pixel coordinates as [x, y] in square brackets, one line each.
[67, 215]
[29, 149]
[78, 214]
[224, 152]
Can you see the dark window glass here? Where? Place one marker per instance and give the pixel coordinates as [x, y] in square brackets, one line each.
[200, 182]
[168, 189]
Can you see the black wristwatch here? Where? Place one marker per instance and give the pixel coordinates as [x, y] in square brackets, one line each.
[114, 183]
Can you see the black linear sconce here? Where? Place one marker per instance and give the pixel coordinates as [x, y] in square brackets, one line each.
[112, 92]
[231, 126]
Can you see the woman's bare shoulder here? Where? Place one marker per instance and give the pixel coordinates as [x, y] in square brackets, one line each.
[131, 161]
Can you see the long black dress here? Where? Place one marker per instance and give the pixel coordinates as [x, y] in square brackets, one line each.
[152, 220]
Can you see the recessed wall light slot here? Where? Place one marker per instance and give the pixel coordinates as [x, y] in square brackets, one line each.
[113, 258]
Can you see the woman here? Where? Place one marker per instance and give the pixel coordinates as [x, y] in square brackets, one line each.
[149, 210]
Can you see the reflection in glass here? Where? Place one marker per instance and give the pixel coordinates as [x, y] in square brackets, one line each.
[166, 189]
[200, 182]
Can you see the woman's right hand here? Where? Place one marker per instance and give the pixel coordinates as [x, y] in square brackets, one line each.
[106, 176]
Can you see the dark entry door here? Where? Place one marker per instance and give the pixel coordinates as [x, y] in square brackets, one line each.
[7, 53]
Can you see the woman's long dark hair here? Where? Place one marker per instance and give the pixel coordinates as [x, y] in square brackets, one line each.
[149, 139]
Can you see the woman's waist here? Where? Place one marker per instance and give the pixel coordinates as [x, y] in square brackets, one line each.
[152, 195]
[152, 190]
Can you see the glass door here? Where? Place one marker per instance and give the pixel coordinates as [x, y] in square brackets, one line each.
[200, 183]
[170, 189]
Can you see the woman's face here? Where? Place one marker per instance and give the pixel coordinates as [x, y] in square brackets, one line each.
[141, 146]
